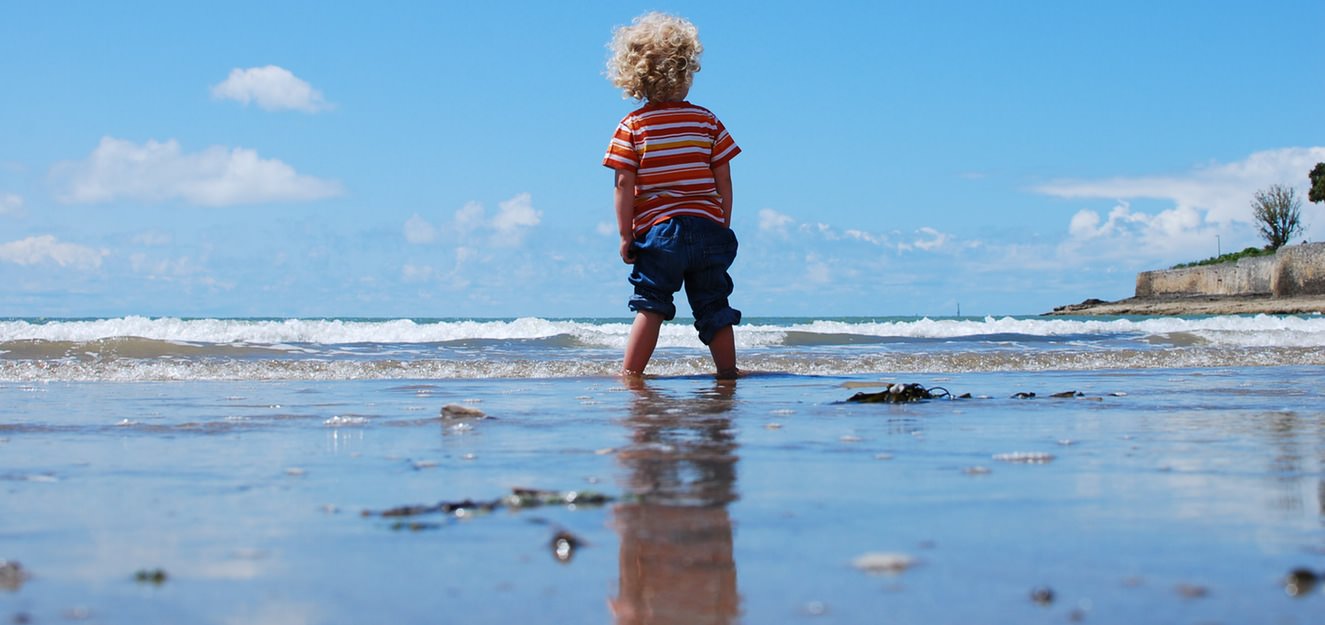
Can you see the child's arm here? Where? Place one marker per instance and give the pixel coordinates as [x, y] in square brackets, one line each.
[722, 177]
[624, 200]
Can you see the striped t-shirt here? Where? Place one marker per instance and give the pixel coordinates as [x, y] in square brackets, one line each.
[673, 148]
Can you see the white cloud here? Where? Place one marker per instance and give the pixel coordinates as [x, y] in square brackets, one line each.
[272, 88]
[868, 237]
[46, 248]
[469, 218]
[160, 171]
[928, 240]
[606, 229]
[1138, 238]
[418, 231]
[773, 221]
[514, 219]
[933, 241]
[168, 269]
[11, 204]
[515, 216]
[1221, 193]
[817, 271]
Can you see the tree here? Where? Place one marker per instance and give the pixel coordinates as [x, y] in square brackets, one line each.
[1278, 213]
[1317, 192]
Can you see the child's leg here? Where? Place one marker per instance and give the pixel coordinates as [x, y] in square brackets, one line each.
[723, 348]
[643, 338]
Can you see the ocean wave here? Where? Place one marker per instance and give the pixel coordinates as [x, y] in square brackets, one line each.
[294, 334]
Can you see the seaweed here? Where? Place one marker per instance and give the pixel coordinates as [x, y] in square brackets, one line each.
[900, 394]
[520, 498]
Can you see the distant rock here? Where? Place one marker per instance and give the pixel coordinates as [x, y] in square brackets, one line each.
[1173, 305]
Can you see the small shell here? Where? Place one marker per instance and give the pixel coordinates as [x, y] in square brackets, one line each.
[1025, 457]
[883, 563]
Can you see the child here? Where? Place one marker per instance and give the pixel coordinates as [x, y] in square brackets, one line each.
[673, 191]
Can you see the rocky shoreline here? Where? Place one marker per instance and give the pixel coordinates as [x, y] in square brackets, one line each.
[1171, 305]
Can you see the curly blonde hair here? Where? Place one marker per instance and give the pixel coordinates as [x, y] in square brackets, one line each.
[655, 58]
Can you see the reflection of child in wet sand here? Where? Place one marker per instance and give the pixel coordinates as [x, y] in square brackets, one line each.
[676, 560]
[673, 191]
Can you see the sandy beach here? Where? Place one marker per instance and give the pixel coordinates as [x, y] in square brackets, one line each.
[1165, 496]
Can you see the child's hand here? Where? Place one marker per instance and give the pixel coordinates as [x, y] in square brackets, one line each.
[628, 251]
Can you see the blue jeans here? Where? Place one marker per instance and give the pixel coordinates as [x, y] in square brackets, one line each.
[693, 252]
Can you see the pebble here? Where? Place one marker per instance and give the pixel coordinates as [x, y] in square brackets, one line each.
[564, 545]
[1300, 582]
[456, 411]
[12, 575]
[1192, 591]
[1042, 595]
[153, 576]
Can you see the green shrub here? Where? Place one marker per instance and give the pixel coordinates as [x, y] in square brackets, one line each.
[1250, 252]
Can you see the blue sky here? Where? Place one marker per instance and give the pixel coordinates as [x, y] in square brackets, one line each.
[443, 159]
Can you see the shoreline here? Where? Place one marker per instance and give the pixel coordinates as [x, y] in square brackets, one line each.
[1173, 305]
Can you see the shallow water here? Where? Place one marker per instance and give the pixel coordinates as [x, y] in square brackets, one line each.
[1161, 496]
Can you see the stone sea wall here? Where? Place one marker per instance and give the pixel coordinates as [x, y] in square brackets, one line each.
[1293, 271]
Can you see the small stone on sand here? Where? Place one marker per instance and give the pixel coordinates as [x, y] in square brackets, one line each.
[456, 411]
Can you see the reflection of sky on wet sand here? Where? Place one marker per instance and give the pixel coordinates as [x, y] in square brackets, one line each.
[742, 503]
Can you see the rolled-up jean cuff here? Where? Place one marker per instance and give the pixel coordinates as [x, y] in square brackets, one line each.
[710, 324]
[643, 304]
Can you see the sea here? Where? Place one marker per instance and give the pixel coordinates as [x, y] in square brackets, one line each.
[354, 470]
[143, 348]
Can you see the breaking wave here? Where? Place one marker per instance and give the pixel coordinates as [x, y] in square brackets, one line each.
[143, 348]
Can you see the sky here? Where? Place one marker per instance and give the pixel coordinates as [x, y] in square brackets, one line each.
[443, 159]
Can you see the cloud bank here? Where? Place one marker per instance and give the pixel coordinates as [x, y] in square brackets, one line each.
[272, 88]
[1221, 191]
[160, 171]
[47, 249]
[1207, 201]
[514, 220]
[925, 239]
[476, 238]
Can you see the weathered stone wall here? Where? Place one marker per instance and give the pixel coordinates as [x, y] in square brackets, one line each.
[1300, 270]
[1292, 271]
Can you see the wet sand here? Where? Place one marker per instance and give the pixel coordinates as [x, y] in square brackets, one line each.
[1157, 496]
[1196, 305]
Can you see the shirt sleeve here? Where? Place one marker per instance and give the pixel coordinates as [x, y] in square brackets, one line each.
[621, 152]
[724, 147]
